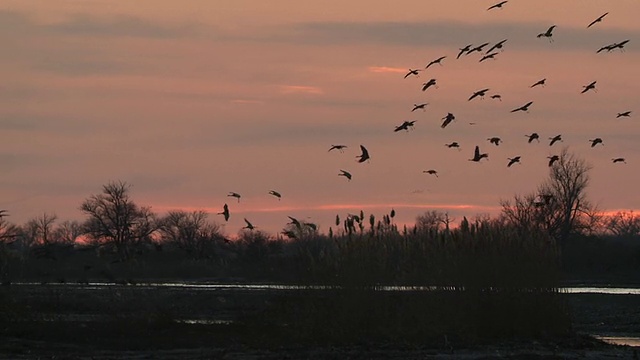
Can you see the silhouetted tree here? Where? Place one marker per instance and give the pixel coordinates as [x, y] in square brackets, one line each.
[115, 219]
[623, 224]
[191, 232]
[432, 221]
[67, 232]
[39, 230]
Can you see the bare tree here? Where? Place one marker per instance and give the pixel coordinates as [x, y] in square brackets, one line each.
[190, 231]
[623, 224]
[39, 230]
[115, 219]
[67, 232]
[433, 221]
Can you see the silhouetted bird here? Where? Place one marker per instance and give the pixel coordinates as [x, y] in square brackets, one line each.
[477, 48]
[3, 213]
[617, 160]
[436, 61]
[596, 141]
[447, 120]
[591, 86]
[497, 96]
[539, 82]
[513, 160]
[597, 20]
[249, 225]
[419, 106]
[464, 50]
[225, 212]
[453, 145]
[488, 56]
[412, 72]
[295, 222]
[555, 139]
[524, 107]
[428, 84]
[364, 156]
[275, 193]
[345, 174]
[533, 136]
[235, 195]
[404, 126]
[548, 34]
[338, 147]
[553, 159]
[495, 140]
[498, 45]
[431, 172]
[625, 114]
[477, 156]
[619, 45]
[480, 93]
[498, 5]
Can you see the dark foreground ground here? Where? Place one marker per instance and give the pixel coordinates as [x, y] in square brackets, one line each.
[141, 322]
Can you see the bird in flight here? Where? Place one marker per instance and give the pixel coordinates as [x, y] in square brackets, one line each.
[364, 156]
[464, 50]
[619, 45]
[345, 174]
[498, 5]
[419, 106]
[447, 119]
[533, 136]
[338, 147]
[225, 212]
[453, 145]
[431, 172]
[497, 96]
[235, 195]
[488, 56]
[597, 20]
[555, 139]
[617, 160]
[524, 107]
[480, 93]
[553, 159]
[477, 48]
[413, 72]
[625, 114]
[497, 45]
[428, 84]
[513, 160]
[495, 140]
[477, 156]
[3, 213]
[591, 86]
[405, 126]
[249, 225]
[436, 61]
[596, 141]
[548, 34]
[275, 193]
[539, 82]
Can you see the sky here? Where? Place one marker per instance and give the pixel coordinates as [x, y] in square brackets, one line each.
[188, 101]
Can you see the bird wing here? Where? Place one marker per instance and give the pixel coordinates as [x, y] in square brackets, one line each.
[365, 153]
[476, 153]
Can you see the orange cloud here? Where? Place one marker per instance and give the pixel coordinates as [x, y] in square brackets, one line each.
[298, 89]
[386, 69]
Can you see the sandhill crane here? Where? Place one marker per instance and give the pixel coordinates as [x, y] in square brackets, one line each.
[295, 222]
[497, 96]
[606, 47]
[338, 147]
[419, 106]
[428, 84]
[513, 160]
[553, 159]
[276, 194]
[453, 145]
[436, 61]
[480, 93]
[364, 156]
[619, 45]
[498, 46]
[548, 34]
[3, 213]
[235, 195]
[596, 141]
[591, 86]
[477, 48]
[533, 136]
[597, 20]
[488, 56]
[447, 119]
[539, 82]
[625, 114]
[225, 212]
[477, 156]
[405, 126]
[495, 140]
[464, 50]
[431, 172]
[555, 139]
[413, 72]
[617, 160]
[249, 225]
[524, 107]
[345, 174]
[498, 5]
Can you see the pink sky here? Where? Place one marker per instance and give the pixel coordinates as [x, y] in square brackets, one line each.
[190, 102]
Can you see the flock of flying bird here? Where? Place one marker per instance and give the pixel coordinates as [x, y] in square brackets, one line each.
[488, 54]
